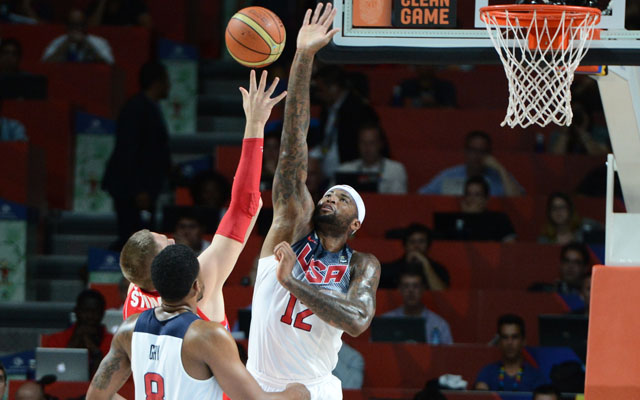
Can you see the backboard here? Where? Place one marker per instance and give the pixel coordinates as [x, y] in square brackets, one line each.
[451, 32]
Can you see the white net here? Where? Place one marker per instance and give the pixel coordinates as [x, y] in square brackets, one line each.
[539, 69]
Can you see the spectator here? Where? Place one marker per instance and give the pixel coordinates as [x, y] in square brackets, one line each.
[140, 162]
[426, 90]
[511, 373]
[119, 13]
[342, 112]
[3, 380]
[475, 222]
[417, 241]
[386, 175]
[585, 294]
[431, 391]
[350, 367]
[210, 189]
[10, 56]
[11, 129]
[574, 263]
[546, 392]
[412, 287]
[88, 331]
[190, 232]
[563, 224]
[582, 137]
[30, 391]
[478, 161]
[78, 46]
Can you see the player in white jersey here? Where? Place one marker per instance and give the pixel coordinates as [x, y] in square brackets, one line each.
[172, 353]
[305, 296]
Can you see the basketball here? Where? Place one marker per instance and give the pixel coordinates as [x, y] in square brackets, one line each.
[255, 37]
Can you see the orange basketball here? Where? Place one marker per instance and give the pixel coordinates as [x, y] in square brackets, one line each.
[255, 37]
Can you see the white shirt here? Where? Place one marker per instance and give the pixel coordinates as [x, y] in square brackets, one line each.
[393, 176]
[100, 45]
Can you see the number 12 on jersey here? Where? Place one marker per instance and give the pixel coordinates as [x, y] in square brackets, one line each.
[299, 323]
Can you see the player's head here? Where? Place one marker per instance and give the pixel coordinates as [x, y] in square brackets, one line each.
[511, 334]
[546, 392]
[340, 212]
[137, 255]
[174, 272]
[477, 145]
[154, 77]
[89, 309]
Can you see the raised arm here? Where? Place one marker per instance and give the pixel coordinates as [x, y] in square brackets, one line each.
[352, 314]
[218, 260]
[216, 348]
[292, 203]
[115, 368]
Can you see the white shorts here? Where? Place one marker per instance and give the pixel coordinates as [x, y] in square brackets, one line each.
[329, 388]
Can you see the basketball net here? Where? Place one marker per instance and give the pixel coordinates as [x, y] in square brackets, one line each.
[540, 47]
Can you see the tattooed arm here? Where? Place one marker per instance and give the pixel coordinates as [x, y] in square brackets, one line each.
[352, 314]
[115, 368]
[292, 203]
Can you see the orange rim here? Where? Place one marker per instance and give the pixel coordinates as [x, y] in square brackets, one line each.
[526, 13]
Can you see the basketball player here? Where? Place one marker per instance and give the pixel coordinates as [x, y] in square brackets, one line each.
[307, 294]
[218, 259]
[172, 353]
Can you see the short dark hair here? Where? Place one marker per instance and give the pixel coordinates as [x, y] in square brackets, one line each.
[580, 248]
[4, 372]
[150, 73]
[10, 41]
[417, 228]
[195, 188]
[478, 179]
[546, 389]
[412, 269]
[332, 74]
[511, 319]
[91, 294]
[190, 213]
[478, 134]
[173, 272]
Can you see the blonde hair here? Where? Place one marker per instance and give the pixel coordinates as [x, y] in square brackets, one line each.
[136, 257]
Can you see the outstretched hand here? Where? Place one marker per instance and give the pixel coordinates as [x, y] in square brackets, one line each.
[315, 33]
[257, 102]
[286, 260]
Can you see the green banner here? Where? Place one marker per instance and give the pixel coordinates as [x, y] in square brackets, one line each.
[13, 251]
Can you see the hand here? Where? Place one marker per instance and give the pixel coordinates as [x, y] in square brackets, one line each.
[491, 162]
[257, 102]
[313, 35]
[416, 257]
[299, 389]
[286, 260]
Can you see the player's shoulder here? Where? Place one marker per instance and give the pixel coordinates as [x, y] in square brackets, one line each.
[364, 258]
[201, 330]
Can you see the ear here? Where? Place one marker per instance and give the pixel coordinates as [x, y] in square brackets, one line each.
[355, 225]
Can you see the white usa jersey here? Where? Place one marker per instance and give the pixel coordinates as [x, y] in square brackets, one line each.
[156, 361]
[287, 342]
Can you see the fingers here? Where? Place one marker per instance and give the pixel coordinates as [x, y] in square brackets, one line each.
[327, 15]
[244, 93]
[331, 34]
[263, 81]
[252, 81]
[307, 18]
[317, 13]
[272, 88]
[279, 98]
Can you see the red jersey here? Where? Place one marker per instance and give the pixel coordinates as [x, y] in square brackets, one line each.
[139, 300]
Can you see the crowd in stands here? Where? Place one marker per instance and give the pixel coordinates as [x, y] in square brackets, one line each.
[479, 187]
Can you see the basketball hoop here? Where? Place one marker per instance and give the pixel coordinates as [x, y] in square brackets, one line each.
[540, 47]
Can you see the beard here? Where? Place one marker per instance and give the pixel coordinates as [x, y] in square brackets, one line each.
[330, 224]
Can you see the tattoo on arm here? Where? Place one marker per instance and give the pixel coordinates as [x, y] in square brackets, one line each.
[291, 172]
[109, 366]
[353, 314]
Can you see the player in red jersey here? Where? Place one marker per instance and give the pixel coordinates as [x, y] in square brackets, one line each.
[218, 260]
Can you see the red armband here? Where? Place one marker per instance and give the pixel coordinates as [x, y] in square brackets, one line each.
[245, 193]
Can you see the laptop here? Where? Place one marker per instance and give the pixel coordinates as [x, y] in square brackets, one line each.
[360, 181]
[112, 320]
[471, 226]
[23, 86]
[564, 330]
[398, 329]
[68, 365]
